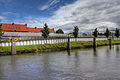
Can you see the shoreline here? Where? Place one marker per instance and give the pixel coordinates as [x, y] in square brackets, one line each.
[6, 50]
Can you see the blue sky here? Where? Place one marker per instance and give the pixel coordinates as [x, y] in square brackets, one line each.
[30, 9]
[64, 14]
[21, 9]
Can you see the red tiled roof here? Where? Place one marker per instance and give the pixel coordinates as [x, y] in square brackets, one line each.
[21, 28]
[51, 30]
[34, 29]
[14, 27]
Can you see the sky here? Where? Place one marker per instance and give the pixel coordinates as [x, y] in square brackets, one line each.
[63, 14]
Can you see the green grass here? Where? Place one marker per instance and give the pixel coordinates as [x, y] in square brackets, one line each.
[31, 48]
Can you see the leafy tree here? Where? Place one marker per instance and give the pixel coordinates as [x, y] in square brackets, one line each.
[75, 31]
[101, 34]
[117, 33]
[84, 34]
[107, 33]
[45, 31]
[1, 33]
[95, 33]
[60, 31]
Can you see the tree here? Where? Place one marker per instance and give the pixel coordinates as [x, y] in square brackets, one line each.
[101, 34]
[1, 33]
[117, 33]
[84, 34]
[107, 33]
[95, 33]
[60, 31]
[45, 31]
[75, 31]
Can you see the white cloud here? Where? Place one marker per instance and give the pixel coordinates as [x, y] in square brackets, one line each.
[49, 4]
[2, 17]
[44, 7]
[86, 14]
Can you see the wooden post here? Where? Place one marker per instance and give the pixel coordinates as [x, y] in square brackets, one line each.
[13, 46]
[94, 43]
[68, 47]
[110, 42]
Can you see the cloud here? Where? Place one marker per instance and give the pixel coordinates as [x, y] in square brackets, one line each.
[86, 14]
[49, 4]
[44, 7]
[2, 17]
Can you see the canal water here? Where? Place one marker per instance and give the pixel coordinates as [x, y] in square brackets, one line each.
[80, 64]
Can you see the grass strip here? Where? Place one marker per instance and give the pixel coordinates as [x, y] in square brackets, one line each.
[78, 44]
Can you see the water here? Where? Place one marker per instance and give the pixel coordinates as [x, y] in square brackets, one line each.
[104, 64]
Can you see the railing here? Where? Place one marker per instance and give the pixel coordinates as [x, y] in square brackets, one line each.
[47, 41]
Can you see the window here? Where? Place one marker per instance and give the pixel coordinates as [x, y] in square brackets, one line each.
[19, 27]
[11, 27]
[16, 27]
[8, 27]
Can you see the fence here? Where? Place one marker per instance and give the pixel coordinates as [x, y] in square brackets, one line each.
[48, 41]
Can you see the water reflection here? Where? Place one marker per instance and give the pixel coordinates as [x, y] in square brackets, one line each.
[108, 52]
[87, 64]
[110, 47]
[77, 60]
[76, 54]
[95, 52]
[117, 49]
[68, 51]
[13, 61]
[1, 72]
[46, 67]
